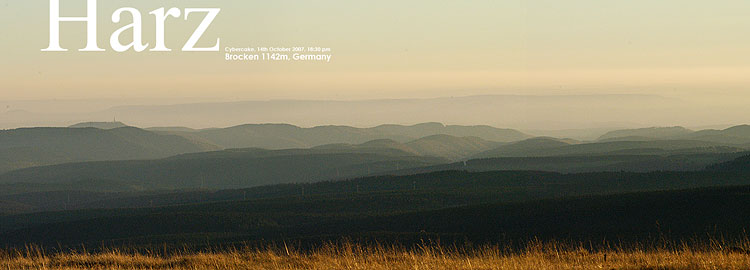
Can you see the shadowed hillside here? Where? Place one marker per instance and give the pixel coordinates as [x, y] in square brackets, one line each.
[479, 185]
[739, 164]
[406, 217]
[646, 162]
[236, 168]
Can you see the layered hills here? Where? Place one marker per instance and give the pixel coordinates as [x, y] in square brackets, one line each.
[282, 136]
[28, 147]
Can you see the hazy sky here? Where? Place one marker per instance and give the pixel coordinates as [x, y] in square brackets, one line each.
[392, 49]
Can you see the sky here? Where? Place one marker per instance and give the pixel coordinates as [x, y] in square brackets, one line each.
[394, 49]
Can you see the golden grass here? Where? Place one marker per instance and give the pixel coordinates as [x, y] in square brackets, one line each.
[350, 256]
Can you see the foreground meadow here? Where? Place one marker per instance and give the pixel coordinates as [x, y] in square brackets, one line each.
[349, 256]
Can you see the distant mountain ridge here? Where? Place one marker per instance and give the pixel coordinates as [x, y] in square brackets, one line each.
[652, 132]
[101, 141]
[28, 147]
[495, 110]
[525, 147]
[736, 135]
[283, 136]
[99, 125]
[546, 147]
[444, 146]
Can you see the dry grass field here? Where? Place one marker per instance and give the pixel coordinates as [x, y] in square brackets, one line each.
[348, 256]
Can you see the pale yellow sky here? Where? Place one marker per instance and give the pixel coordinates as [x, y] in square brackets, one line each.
[691, 49]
